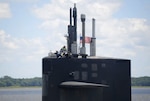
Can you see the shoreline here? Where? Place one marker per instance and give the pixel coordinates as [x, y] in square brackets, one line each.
[14, 87]
[140, 86]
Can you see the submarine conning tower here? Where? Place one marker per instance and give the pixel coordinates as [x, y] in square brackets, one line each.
[72, 35]
[78, 77]
[72, 32]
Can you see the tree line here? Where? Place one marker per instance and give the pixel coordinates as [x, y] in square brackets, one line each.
[140, 81]
[8, 81]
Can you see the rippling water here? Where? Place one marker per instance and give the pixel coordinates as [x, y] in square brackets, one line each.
[20, 94]
[35, 94]
[141, 94]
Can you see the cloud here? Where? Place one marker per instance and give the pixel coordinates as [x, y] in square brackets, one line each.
[55, 15]
[5, 41]
[20, 55]
[5, 10]
[97, 9]
[100, 10]
[127, 34]
[27, 1]
[19, 47]
[48, 12]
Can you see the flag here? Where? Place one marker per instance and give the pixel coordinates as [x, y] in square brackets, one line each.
[87, 39]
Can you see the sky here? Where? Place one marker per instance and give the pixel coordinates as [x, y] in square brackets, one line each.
[30, 29]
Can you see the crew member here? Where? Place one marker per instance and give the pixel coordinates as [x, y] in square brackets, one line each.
[63, 51]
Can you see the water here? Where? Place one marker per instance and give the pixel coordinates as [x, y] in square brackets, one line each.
[35, 94]
[141, 94]
[20, 94]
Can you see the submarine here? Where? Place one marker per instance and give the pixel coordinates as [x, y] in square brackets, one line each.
[73, 76]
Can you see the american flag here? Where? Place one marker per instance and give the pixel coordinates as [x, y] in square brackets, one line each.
[87, 39]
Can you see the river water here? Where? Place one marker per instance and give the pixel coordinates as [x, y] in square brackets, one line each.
[141, 94]
[35, 94]
[20, 94]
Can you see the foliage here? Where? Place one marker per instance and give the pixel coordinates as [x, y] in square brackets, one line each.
[141, 81]
[7, 81]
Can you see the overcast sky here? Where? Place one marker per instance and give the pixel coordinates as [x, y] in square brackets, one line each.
[29, 29]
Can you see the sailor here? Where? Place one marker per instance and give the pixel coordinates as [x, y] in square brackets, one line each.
[57, 54]
[63, 51]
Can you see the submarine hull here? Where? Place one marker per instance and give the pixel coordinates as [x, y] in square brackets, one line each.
[115, 73]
